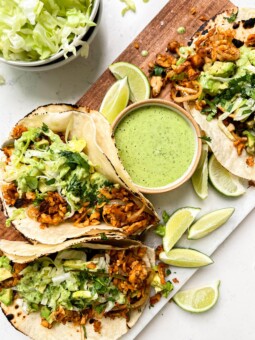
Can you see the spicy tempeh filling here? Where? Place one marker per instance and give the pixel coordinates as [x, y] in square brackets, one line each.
[51, 180]
[78, 285]
[216, 75]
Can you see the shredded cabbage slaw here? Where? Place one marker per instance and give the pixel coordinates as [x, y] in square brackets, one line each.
[32, 30]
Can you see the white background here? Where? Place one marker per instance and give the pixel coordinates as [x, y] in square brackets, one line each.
[233, 316]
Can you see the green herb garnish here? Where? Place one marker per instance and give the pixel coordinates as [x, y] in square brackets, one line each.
[165, 216]
[232, 17]
[160, 230]
[205, 138]
[103, 236]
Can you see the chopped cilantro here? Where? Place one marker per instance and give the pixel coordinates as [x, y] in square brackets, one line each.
[45, 128]
[160, 230]
[168, 272]
[158, 71]
[103, 236]
[179, 76]
[165, 216]
[100, 308]
[50, 181]
[167, 288]
[232, 17]
[76, 187]
[205, 138]
[74, 159]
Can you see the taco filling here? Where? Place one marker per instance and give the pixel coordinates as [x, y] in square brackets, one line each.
[214, 77]
[50, 179]
[78, 285]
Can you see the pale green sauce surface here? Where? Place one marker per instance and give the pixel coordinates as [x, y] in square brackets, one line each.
[156, 145]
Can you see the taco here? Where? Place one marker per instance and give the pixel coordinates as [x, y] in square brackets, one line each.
[214, 77]
[88, 290]
[61, 178]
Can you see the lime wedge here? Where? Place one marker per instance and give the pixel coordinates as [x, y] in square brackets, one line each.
[223, 181]
[200, 176]
[187, 258]
[198, 300]
[209, 222]
[177, 224]
[137, 80]
[115, 100]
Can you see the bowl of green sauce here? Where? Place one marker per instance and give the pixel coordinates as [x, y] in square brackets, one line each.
[158, 144]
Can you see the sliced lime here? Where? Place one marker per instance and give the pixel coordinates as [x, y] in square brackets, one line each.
[137, 80]
[209, 222]
[187, 258]
[198, 300]
[200, 176]
[177, 224]
[225, 182]
[115, 100]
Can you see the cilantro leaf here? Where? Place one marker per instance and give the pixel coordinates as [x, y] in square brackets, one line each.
[103, 236]
[165, 216]
[160, 230]
[205, 138]
[232, 17]
[73, 159]
[158, 71]
[167, 288]
[45, 128]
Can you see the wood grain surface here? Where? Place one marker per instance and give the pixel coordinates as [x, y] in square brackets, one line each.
[154, 39]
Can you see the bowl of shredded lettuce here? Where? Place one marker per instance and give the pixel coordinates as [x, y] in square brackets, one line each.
[37, 32]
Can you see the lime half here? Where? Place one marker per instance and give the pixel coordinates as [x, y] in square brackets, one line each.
[200, 176]
[198, 300]
[137, 80]
[209, 222]
[177, 224]
[225, 182]
[188, 258]
[115, 100]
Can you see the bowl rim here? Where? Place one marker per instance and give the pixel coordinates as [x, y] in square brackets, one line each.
[197, 134]
[61, 52]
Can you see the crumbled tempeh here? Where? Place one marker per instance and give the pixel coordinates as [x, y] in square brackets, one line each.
[17, 131]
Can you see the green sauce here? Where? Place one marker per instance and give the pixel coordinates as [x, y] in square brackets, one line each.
[156, 145]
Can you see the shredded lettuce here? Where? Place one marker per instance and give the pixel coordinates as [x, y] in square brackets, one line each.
[67, 281]
[5, 263]
[37, 29]
[42, 162]
[17, 214]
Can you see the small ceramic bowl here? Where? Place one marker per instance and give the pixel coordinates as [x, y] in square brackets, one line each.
[76, 42]
[191, 127]
[87, 38]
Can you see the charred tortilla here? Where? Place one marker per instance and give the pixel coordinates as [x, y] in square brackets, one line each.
[69, 124]
[227, 142]
[214, 78]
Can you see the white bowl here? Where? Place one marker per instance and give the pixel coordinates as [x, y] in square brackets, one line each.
[88, 38]
[60, 54]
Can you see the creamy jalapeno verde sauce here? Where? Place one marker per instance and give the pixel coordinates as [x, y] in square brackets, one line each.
[156, 145]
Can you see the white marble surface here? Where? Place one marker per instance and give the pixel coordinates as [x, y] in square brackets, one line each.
[233, 316]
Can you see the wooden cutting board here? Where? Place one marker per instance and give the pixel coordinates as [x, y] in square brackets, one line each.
[154, 38]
